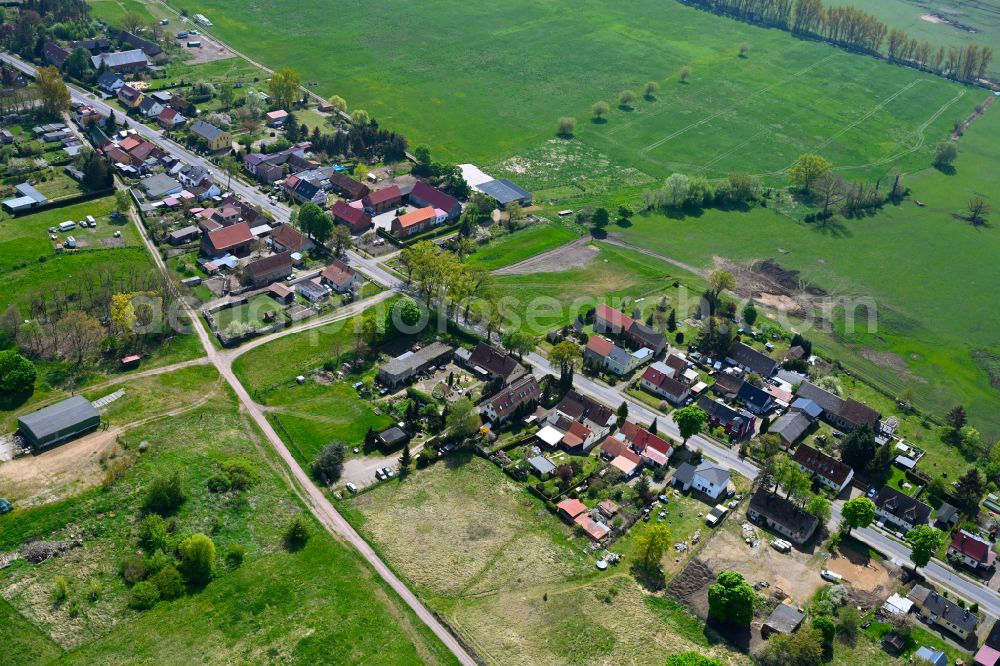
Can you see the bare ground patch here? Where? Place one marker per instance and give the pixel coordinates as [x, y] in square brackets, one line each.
[895, 362]
[577, 254]
[863, 573]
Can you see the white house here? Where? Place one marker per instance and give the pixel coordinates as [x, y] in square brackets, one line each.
[706, 478]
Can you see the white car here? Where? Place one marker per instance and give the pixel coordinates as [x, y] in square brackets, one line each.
[831, 576]
[351, 487]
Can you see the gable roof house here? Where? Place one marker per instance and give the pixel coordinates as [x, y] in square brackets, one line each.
[383, 200]
[414, 222]
[150, 106]
[846, 414]
[129, 96]
[522, 392]
[738, 423]
[424, 195]
[57, 423]
[493, 363]
[347, 187]
[121, 61]
[640, 335]
[790, 427]
[782, 516]
[617, 451]
[264, 271]
[653, 449]
[570, 508]
[340, 277]
[595, 529]
[707, 478]
[971, 551]
[216, 139]
[937, 610]
[170, 119]
[110, 82]
[578, 407]
[55, 55]
[611, 321]
[757, 400]
[656, 380]
[149, 48]
[894, 507]
[753, 360]
[831, 472]
[286, 237]
[356, 218]
[235, 239]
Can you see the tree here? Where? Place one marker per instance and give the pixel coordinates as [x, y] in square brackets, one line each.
[197, 559]
[143, 595]
[625, 98]
[52, 90]
[284, 87]
[685, 74]
[600, 218]
[168, 582]
[946, 154]
[690, 420]
[78, 64]
[600, 109]
[859, 448]
[691, 659]
[831, 188]
[566, 126]
[518, 342]
[651, 544]
[969, 489]
[858, 512]
[231, 166]
[731, 599]
[123, 315]
[227, 95]
[329, 463]
[978, 208]
[924, 541]
[718, 282]
[296, 534]
[672, 320]
[801, 648]
[650, 89]
[338, 103]
[622, 413]
[409, 312]
[165, 494]
[316, 222]
[17, 374]
[956, 417]
[121, 202]
[676, 189]
[132, 22]
[807, 170]
[342, 240]
[463, 419]
[819, 506]
[80, 335]
[360, 118]
[405, 459]
[567, 356]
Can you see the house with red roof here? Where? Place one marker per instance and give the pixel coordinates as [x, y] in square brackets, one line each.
[424, 195]
[286, 237]
[654, 449]
[384, 200]
[609, 320]
[235, 239]
[340, 277]
[594, 529]
[829, 471]
[414, 222]
[657, 380]
[578, 437]
[170, 119]
[971, 551]
[636, 334]
[357, 219]
[570, 508]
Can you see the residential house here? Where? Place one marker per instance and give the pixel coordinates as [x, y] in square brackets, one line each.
[707, 478]
[753, 360]
[286, 237]
[277, 118]
[656, 380]
[304, 190]
[264, 271]
[728, 384]
[830, 472]
[782, 516]
[892, 506]
[577, 438]
[110, 82]
[150, 107]
[971, 551]
[55, 55]
[595, 529]
[129, 96]
[654, 450]
[425, 196]
[617, 451]
[640, 335]
[405, 366]
[95, 46]
[846, 414]
[340, 277]
[123, 62]
[611, 357]
[357, 219]
[523, 392]
[577, 407]
[414, 222]
[936, 610]
[570, 508]
[216, 139]
[989, 653]
[490, 362]
[738, 423]
[347, 187]
[181, 105]
[783, 620]
[268, 168]
[384, 200]
[170, 119]
[613, 322]
[947, 517]
[790, 427]
[235, 239]
[756, 400]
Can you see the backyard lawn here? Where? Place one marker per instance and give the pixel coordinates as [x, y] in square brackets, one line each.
[254, 312]
[532, 240]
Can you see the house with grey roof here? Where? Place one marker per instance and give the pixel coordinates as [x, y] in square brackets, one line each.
[405, 366]
[936, 610]
[121, 61]
[782, 516]
[790, 427]
[707, 478]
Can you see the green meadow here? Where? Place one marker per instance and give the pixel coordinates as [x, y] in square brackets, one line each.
[483, 82]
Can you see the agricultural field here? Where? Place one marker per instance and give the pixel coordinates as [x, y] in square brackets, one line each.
[508, 575]
[112, 11]
[752, 114]
[277, 605]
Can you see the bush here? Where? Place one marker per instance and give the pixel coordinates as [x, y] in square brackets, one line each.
[144, 596]
[235, 555]
[133, 569]
[94, 590]
[60, 589]
[218, 483]
[17, 374]
[197, 559]
[165, 495]
[329, 463]
[153, 533]
[241, 474]
[168, 582]
[296, 534]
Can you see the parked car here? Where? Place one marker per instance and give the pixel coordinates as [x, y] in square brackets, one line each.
[831, 576]
[5, 506]
[351, 487]
[871, 492]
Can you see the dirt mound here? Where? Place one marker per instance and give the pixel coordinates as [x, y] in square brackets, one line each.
[689, 583]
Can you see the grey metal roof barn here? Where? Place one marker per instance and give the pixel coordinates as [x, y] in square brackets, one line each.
[59, 422]
[505, 192]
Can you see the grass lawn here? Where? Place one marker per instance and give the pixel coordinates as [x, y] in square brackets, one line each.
[278, 606]
[514, 247]
[754, 114]
[22, 642]
[252, 312]
[112, 11]
[508, 575]
[310, 416]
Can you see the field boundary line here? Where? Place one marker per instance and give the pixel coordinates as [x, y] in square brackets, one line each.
[742, 102]
[871, 112]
